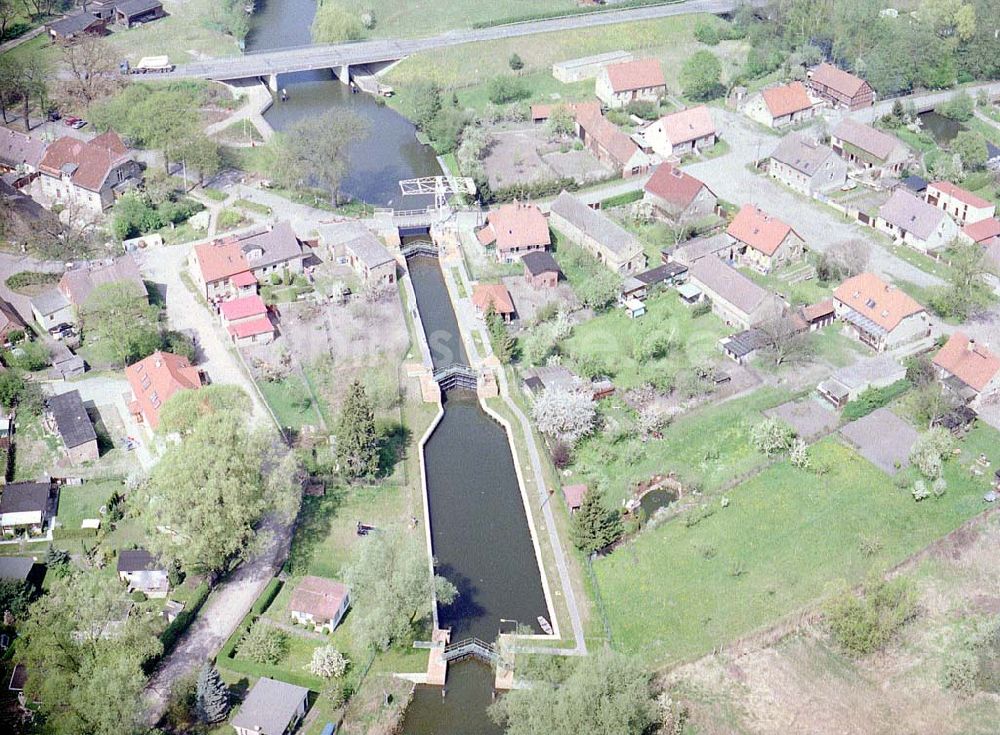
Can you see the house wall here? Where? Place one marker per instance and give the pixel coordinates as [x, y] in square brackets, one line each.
[542, 280]
[959, 210]
[702, 205]
[946, 231]
[864, 98]
[66, 315]
[83, 453]
[624, 264]
[831, 175]
[617, 100]
[511, 255]
[305, 618]
[60, 190]
[911, 329]
[790, 250]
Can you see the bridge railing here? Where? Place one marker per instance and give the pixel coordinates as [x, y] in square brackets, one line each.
[470, 647]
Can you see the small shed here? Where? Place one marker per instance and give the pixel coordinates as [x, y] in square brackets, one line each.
[634, 308]
[574, 495]
[689, 293]
[541, 270]
[141, 571]
[68, 417]
[73, 26]
[271, 708]
[137, 12]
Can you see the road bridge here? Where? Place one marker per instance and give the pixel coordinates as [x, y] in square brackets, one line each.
[341, 57]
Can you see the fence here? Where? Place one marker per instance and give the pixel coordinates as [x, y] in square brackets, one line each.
[599, 602]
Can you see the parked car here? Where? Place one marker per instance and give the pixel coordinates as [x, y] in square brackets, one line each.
[54, 115]
[79, 124]
[70, 121]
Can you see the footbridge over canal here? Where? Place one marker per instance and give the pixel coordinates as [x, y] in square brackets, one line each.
[342, 57]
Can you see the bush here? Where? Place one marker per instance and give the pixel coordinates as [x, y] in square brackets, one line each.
[139, 596]
[702, 308]
[646, 109]
[24, 279]
[229, 219]
[863, 625]
[515, 62]
[562, 456]
[263, 644]
[707, 33]
[134, 217]
[267, 596]
[503, 90]
[771, 436]
[30, 356]
[960, 107]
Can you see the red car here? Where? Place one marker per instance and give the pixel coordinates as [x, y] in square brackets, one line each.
[74, 122]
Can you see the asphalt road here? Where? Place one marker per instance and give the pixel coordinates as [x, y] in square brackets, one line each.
[305, 58]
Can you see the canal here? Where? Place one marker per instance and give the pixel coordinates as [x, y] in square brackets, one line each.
[479, 529]
[386, 153]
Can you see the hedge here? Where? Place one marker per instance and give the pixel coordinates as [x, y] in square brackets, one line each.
[545, 14]
[624, 198]
[874, 398]
[73, 534]
[267, 596]
[173, 632]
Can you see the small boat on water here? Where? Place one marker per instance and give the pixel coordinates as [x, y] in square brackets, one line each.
[545, 625]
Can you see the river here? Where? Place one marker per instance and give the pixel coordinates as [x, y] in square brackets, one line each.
[386, 153]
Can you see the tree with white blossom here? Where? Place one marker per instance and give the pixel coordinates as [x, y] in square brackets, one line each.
[328, 662]
[566, 415]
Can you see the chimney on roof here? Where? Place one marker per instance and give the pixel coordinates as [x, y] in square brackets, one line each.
[972, 345]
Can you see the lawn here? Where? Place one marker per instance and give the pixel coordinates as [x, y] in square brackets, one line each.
[831, 346]
[291, 402]
[810, 291]
[611, 338]
[469, 68]
[710, 447]
[786, 538]
[185, 35]
[77, 502]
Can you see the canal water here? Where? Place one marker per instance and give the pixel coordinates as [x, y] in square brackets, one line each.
[386, 153]
[479, 529]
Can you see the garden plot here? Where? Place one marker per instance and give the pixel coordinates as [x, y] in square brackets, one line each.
[528, 300]
[883, 438]
[527, 155]
[810, 418]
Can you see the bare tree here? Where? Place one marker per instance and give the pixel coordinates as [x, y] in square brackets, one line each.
[844, 259]
[786, 340]
[93, 72]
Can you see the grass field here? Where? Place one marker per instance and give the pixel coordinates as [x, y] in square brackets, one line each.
[469, 68]
[77, 502]
[184, 35]
[290, 401]
[787, 538]
[710, 446]
[403, 18]
[612, 337]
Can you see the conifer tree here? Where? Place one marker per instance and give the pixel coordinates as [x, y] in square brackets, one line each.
[212, 696]
[594, 525]
[357, 441]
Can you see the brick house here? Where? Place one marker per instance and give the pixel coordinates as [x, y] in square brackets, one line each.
[612, 245]
[67, 416]
[610, 145]
[541, 270]
[963, 206]
[629, 81]
[879, 314]
[969, 370]
[247, 321]
[678, 195]
[371, 260]
[840, 88]
[910, 220]
[869, 149]
[484, 294]
[515, 229]
[802, 164]
[776, 107]
[155, 379]
[91, 173]
[680, 133]
[763, 242]
[319, 603]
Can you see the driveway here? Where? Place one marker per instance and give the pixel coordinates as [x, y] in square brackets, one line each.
[185, 312]
[820, 226]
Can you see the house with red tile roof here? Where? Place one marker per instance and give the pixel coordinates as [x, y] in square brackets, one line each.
[89, 173]
[319, 602]
[969, 370]
[912, 221]
[155, 379]
[776, 107]
[542, 112]
[484, 294]
[610, 145]
[840, 88]
[574, 495]
[963, 206]
[246, 319]
[677, 195]
[763, 242]
[231, 265]
[880, 315]
[680, 133]
[514, 230]
[985, 232]
[629, 81]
